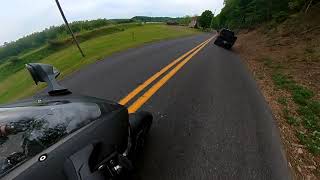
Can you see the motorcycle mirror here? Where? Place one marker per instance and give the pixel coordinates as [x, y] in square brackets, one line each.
[48, 74]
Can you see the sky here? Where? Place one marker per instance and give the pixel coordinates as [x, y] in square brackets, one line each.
[21, 17]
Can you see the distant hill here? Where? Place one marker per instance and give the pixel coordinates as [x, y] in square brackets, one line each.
[154, 19]
[146, 19]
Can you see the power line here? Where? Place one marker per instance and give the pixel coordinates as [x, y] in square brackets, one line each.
[70, 30]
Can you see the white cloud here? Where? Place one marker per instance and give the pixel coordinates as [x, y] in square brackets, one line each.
[21, 17]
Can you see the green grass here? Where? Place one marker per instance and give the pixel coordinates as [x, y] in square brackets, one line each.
[281, 81]
[29, 53]
[68, 60]
[308, 108]
[292, 120]
[300, 94]
[16, 63]
[309, 113]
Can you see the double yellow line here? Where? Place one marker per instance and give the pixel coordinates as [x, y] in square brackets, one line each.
[180, 62]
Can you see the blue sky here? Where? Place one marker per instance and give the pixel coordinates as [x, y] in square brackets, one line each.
[21, 17]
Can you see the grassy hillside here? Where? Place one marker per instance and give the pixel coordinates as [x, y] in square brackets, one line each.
[15, 63]
[68, 60]
[285, 60]
[38, 39]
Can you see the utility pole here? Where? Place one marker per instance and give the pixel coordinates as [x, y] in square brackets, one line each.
[69, 28]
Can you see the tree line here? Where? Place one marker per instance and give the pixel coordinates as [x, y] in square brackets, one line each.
[179, 20]
[238, 14]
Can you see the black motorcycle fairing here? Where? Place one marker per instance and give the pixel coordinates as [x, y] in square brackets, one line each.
[37, 124]
[30, 130]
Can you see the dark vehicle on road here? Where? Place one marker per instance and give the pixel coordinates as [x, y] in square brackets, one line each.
[66, 136]
[225, 39]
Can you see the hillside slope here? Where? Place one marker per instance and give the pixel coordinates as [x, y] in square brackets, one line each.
[285, 60]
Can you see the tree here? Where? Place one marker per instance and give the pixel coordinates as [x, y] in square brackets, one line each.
[205, 19]
[238, 14]
[185, 20]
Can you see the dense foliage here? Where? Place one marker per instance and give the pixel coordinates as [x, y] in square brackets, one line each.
[246, 13]
[205, 19]
[39, 39]
[178, 20]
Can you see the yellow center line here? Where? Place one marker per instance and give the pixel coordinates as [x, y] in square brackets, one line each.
[131, 95]
[146, 96]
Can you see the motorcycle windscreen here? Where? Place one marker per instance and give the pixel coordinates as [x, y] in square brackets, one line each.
[26, 131]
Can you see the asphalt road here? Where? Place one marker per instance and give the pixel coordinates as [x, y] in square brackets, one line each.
[210, 120]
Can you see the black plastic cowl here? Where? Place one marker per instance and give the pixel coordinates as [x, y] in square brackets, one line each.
[48, 74]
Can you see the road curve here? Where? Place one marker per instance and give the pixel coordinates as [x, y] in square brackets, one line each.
[211, 121]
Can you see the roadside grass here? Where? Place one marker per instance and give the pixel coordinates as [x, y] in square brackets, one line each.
[19, 84]
[308, 108]
[300, 94]
[291, 119]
